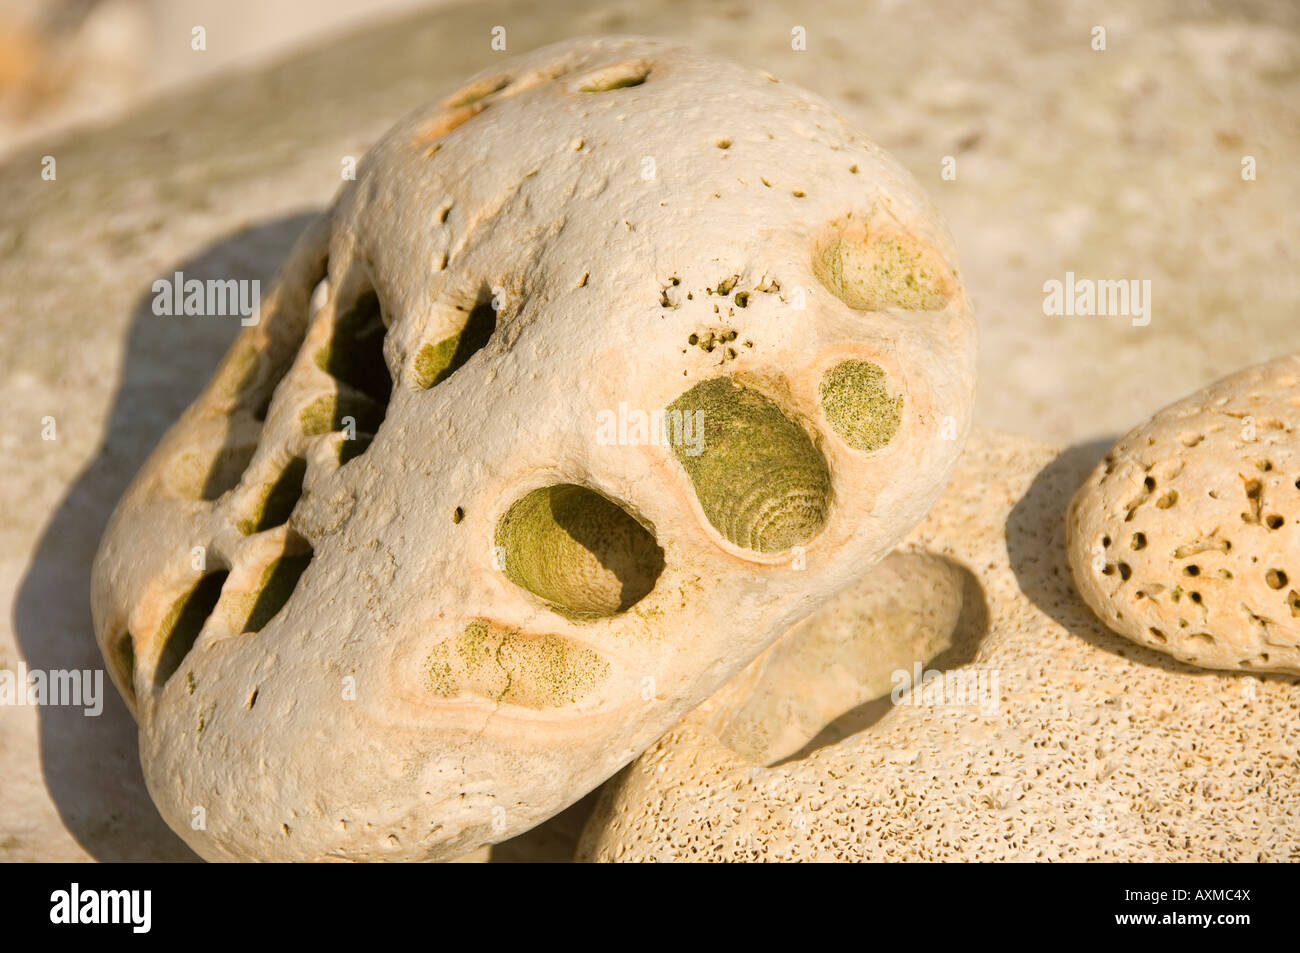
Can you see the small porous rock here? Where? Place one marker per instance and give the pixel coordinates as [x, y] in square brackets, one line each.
[1186, 537]
[1033, 733]
[468, 519]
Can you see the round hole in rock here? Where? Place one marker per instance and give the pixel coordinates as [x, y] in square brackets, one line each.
[184, 622]
[277, 499]
[278, 582]
[878, 269]
[857, 402]
[355, 352]
[577, 550]
[435, 362]
[759, 479]
[331, 413]
[196, 475]
[226, 470]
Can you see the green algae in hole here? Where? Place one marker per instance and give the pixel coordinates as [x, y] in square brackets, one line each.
[183, 623]
[278, 499]
[326, 414]
[583, 554]
[124, 662]
[434, 363]
[871, 272]
[278, 582]
[504, 664]
[207, 476]
[759, 479]
[240, 376]
[355, 352]
[227, 469]
[858, 405]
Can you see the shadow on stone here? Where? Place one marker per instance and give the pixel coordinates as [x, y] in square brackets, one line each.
[971, 625]
[91, 765]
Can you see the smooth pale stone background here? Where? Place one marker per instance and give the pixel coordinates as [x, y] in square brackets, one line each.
[1123, 164]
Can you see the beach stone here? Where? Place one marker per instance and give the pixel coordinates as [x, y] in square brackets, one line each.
[529, 452]
[1186, 537]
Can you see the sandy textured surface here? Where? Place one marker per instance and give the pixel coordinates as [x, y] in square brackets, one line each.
[1042, 736]
[1117, 164]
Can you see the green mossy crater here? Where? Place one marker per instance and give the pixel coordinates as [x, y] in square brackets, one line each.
[759, 479]
[580, 552]
[857, 402]
[504, 664]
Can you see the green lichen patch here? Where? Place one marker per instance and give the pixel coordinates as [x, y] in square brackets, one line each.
[241, 371]
[183, 623]
[871, 272]
[504, 664]
[328, 413]
[277, 584]
[856, 401]
[435, 362]
[277, 499]
[583, 554]
[759, 479]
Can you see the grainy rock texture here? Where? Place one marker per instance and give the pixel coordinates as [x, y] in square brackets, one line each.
[1117, 164]
[439, 565]
[1186, 537]
[1092, 749]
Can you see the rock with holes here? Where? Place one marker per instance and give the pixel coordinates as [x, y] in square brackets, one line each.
[1186, 537]
[964, 704]
[605, 370]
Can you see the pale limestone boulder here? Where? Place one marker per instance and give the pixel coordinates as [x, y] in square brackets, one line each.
[395, 586]
[1186, 537]
[1092, 749]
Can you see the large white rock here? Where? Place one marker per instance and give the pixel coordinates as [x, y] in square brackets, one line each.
[437, 631]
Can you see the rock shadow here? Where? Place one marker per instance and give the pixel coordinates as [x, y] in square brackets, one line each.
[91, 764]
